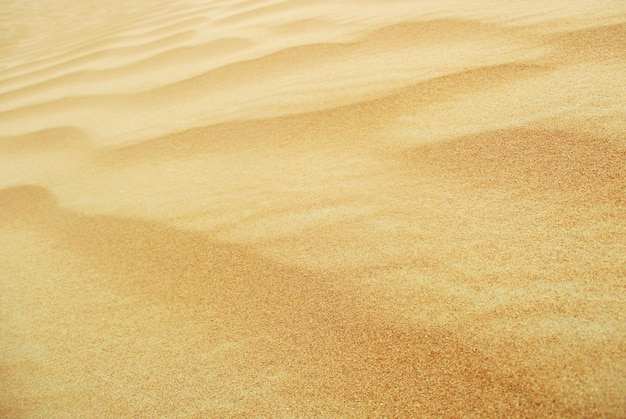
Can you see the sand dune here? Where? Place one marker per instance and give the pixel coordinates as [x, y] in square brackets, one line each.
[313, 209]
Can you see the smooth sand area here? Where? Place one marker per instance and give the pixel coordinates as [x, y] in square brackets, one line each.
[305, 208]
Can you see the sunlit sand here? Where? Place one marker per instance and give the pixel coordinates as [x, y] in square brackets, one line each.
[313, 209]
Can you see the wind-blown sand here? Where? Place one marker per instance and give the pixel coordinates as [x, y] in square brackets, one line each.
[313, 209]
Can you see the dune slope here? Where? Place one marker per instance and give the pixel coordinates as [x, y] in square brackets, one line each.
[310, 209]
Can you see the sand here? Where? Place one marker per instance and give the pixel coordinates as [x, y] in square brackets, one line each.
[296, 208]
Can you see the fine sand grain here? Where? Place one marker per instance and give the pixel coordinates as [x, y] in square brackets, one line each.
[304, 208]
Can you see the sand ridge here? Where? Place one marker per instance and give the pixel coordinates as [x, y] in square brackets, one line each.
[303, 208]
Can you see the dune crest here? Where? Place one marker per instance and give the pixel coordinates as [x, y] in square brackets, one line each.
[311, 209]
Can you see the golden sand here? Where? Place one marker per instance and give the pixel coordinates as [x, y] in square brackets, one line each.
[313, 209]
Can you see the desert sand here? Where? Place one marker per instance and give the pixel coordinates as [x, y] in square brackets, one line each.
[303, 208]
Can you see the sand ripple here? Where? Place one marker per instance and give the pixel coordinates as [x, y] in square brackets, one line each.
[305, 208]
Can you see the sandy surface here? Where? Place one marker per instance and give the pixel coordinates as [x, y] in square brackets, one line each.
[312, 209]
